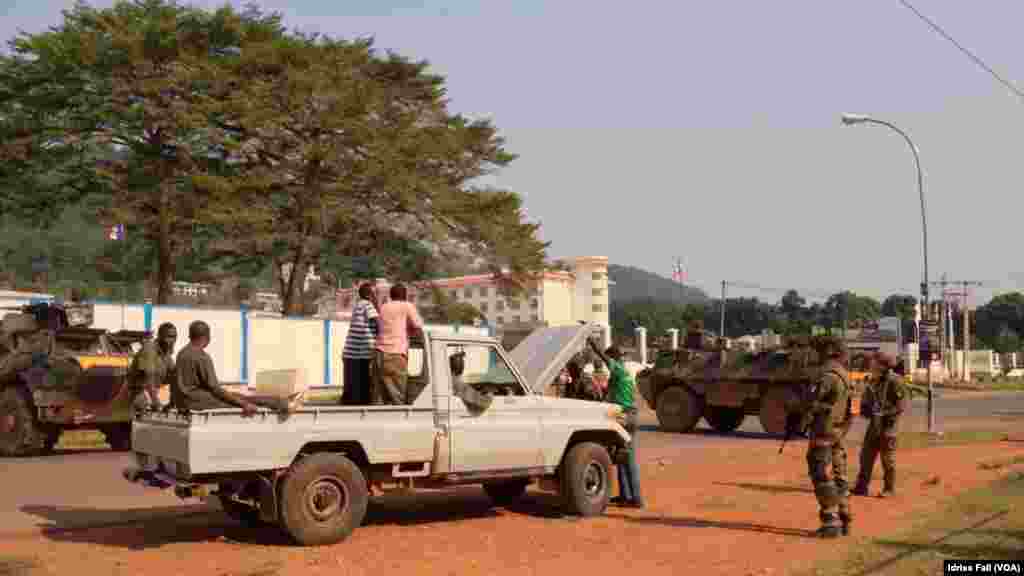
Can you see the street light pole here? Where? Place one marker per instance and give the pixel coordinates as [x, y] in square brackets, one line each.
[851, 119]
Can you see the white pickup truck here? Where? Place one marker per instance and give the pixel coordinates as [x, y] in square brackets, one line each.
[311, 472]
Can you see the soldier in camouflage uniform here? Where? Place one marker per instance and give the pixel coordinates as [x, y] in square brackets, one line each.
[827, 408]
[153, 367]
[884, 401]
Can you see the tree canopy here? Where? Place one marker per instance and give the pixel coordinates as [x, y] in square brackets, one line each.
[222, 137]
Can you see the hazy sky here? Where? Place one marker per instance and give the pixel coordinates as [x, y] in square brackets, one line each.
[710, 130]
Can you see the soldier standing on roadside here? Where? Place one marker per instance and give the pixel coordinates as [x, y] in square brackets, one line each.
[153, 366]
[828, 409]
[883, 403]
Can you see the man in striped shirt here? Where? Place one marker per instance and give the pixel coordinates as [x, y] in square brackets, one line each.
[359, 347]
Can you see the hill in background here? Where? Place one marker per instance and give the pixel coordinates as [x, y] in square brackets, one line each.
[632, 284]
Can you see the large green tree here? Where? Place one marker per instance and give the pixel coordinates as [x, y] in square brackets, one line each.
[335, 149]
[114, 106]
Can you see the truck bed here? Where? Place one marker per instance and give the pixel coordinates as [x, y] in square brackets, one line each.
[202, 442]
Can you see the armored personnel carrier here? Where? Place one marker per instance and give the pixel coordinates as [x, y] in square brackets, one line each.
[726, 386]
[57, 373]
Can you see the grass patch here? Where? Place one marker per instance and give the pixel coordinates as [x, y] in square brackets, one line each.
[915, 440]
[1001, 463]
[983, 524]
[14, 566]
[81, 440]
[1015, 384]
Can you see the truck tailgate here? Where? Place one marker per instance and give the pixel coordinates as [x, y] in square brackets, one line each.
[223, 441]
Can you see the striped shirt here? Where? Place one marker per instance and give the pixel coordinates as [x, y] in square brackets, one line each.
[359, 343]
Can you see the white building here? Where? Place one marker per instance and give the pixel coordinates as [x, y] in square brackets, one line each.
[558, 298]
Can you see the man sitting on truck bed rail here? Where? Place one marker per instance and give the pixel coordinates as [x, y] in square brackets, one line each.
[391, 357]
[197, 388]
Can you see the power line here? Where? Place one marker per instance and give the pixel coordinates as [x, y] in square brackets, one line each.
[976, 59]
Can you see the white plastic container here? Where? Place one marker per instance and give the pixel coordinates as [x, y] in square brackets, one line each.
[280, 382]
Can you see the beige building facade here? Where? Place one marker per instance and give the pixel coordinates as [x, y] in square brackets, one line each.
[557, 298]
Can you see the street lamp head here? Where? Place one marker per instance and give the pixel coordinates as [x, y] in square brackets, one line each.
[854, 119]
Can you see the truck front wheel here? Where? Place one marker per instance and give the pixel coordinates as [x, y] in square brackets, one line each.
[323, 499]
[586, 479]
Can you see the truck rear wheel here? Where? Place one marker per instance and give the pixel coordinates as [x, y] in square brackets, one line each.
[772, 412]
[678, 409]
[323, 499]
[506, 492]
[20, 433]
[725, 419]
[586, 475]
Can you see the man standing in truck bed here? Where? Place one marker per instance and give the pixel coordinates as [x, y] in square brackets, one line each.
[391, 356]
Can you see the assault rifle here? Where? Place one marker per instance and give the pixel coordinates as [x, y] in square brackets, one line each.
[796, 425]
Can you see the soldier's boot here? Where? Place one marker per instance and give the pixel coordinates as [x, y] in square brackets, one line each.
[829, 532]
[861, 489]
[845, 528]
[889, 489]
[830, 526]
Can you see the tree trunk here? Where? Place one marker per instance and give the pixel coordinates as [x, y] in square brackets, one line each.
[291, 287]
[165, 257]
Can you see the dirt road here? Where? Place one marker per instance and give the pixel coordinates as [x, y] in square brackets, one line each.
[721, 505]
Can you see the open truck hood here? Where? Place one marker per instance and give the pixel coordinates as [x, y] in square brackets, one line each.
[543, 354]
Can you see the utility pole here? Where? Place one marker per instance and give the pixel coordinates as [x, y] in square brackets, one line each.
[948, 296]
[967, 326]
[721, 322]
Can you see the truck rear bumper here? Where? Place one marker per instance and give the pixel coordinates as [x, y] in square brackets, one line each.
[162, 481]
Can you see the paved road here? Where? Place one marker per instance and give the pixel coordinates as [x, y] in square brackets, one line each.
[70, 490]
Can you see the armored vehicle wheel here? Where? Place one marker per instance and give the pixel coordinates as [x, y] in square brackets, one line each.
[242, 513]
[119, 436]
[773, 410]
[586, 479]
[724, 419]
[20, 433]
[679, 409]
[323, 499]
[506, 492]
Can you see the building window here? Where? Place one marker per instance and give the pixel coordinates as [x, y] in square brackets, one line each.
[597, 275]
[598, 308]
[598, 291]
[468, 292]
[499, 305]
[500, 320]
[483, 307]
[483, 291]
[533, 303]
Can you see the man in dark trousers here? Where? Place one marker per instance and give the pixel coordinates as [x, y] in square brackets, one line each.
[620, 391]
[883, 403]
[197, 388]
[357, 355]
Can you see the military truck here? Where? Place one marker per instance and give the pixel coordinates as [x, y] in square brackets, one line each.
[57, 373]
[725, 386]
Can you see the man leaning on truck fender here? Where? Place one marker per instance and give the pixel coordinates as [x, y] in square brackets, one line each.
[620, 391]
[391, 357]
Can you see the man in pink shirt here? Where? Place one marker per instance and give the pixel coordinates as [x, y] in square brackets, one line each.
[391, 357]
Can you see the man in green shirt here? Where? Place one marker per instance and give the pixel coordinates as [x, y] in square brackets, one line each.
[620, 391]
